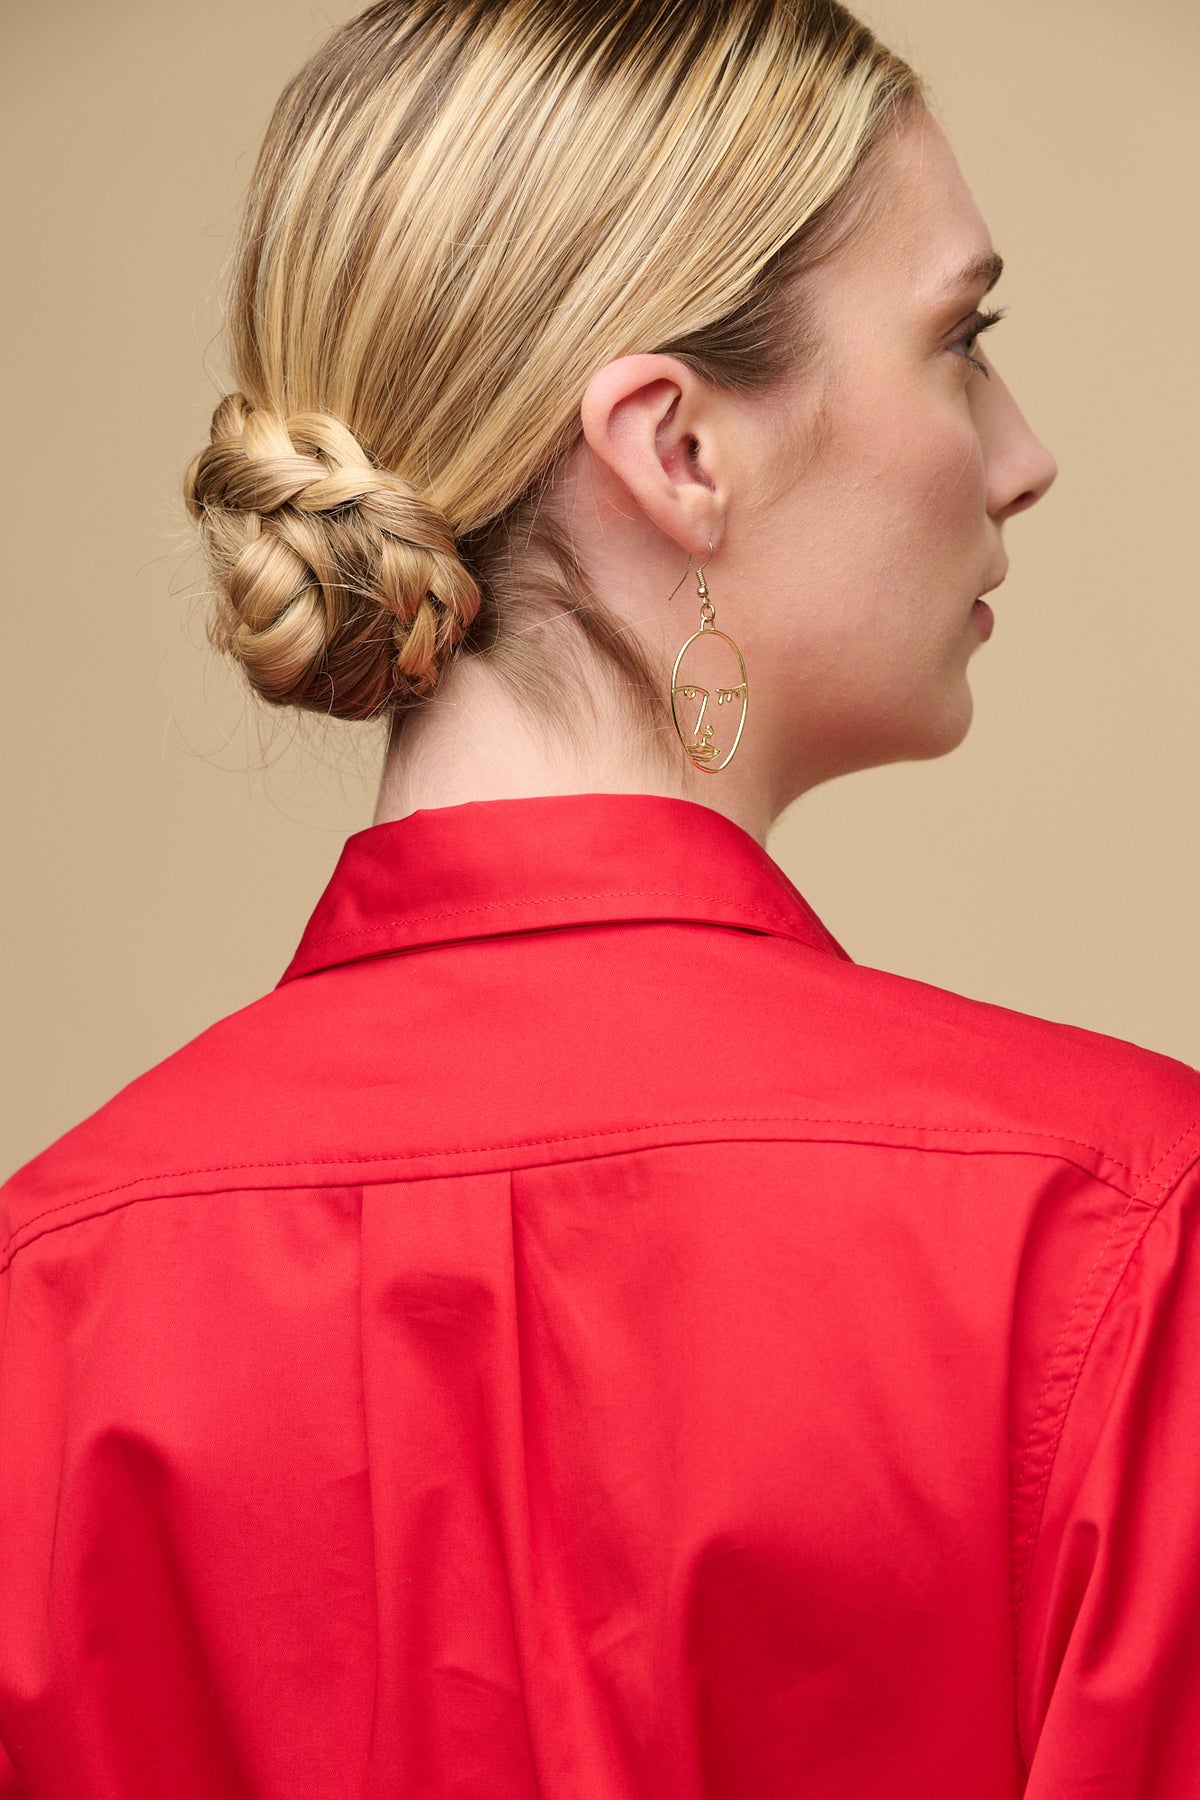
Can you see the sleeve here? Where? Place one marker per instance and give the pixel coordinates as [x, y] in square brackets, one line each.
[1108, 1684]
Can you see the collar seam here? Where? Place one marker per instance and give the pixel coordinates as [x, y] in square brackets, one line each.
[394, 919]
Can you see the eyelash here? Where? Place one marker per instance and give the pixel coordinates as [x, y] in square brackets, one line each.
[980, 322]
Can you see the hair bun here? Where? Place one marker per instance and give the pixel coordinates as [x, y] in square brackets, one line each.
[339, 586]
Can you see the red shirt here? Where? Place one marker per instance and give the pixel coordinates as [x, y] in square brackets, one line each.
[583, 1336]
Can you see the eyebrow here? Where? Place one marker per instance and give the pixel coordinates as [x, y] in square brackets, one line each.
[981, 268]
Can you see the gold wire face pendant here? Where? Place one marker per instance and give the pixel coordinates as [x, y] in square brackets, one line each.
[709, 694]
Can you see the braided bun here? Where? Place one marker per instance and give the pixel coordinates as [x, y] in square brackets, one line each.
[339, 586]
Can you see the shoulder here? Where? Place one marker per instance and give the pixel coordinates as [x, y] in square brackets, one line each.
[198, 1110]
[417, 1064]
[941, 1065]
[1034, 1059]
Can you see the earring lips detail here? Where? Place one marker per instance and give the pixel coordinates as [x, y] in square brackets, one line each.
[708, 649]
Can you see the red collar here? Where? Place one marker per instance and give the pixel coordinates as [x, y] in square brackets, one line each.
[497, 866]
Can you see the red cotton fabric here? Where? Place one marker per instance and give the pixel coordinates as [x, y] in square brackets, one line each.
[583, 1336]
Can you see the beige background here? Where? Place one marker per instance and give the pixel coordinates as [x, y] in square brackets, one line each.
[164, 847]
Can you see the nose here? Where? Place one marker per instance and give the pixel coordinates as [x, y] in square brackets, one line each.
[1020, 468]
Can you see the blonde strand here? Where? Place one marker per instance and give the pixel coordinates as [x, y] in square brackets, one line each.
[461, 209]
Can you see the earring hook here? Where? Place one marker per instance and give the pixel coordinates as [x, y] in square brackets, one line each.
[703, 585]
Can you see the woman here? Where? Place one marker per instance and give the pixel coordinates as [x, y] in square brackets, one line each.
[582, 1335]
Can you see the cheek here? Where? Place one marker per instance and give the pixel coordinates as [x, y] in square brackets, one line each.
[922, 527]
[874, 550]
[926, 466]
[920, 548]
[949, 482]
[904, 489]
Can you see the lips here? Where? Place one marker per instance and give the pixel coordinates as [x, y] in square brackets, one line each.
[985, 618]
[982, 613]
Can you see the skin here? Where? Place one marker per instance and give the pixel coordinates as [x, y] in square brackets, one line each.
[855, 514]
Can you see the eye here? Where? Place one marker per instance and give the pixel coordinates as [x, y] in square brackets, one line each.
[977, 324]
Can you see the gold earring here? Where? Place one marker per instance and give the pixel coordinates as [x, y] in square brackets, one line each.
[702, 752]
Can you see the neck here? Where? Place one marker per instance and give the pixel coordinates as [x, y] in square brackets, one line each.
[475, 741]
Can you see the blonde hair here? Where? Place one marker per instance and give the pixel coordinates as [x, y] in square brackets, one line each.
[461, 210]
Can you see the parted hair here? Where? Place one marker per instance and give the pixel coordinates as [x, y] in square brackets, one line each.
[460, 211]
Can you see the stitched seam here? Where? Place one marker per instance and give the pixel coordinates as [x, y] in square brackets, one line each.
[1062, 1337]
[789, 921]
[1025, 1569]
[357, 1161]
[1169, 1178]
[1135, 1198]
[1023, 1553]
[458, 912]
[1029, 1534]
[584, 1137]
[356, 1179]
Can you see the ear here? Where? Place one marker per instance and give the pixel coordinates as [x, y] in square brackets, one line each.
[653, 426]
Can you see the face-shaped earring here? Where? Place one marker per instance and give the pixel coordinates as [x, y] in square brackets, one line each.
[697, 691]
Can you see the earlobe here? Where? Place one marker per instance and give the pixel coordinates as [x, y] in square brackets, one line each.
[648, 422]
